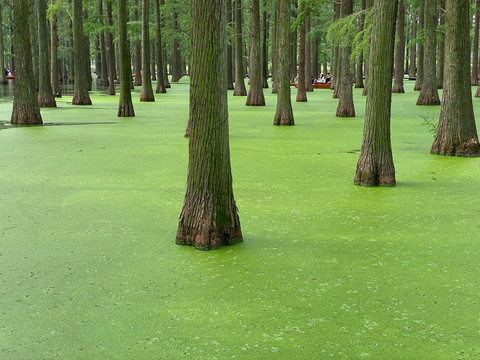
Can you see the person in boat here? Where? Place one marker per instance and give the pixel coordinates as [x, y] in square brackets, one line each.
[328, 78]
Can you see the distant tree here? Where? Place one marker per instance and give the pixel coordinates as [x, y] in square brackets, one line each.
[302, 42]
[412, 71]
[420, 47]
[176, 63]
[54, 55]
[441, 47]
[209, 218]
[400, 49]
[164, 53]
[366, 55]
[456, 131]
[80, 85]
[284, 113]
[137, 68]
[103, 53]
[111, 51]
[3, 76]
[359, 69]
[240, 89]
[474, 77]
[125, 105]
[25, 105]
[308, 55]
[45, 93]
[429, 93]
[264, 60]
[255, 95]
[375, 165]
[146, 93]
[159, 46]
[229, 47]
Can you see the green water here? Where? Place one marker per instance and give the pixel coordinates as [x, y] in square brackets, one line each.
[327, 270]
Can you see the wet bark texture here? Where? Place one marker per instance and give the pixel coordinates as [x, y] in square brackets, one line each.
[429, 93]
[80, 85]
[146, 93]
[345, 106]
[54, 68]
[160, 89]
[111, 52]
[399, 49]
[25, 105]
[240, 89]
[284, 113]
[209, 218]
[45, 93]
[301, 88]
[457, 132]
[420, 47]
[375, 165]
[255, 95]
[125, 105]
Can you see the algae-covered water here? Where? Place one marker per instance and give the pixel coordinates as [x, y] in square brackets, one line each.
[327, 270]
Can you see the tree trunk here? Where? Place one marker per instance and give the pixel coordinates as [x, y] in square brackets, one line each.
[34, 37]
[308, 56]
[375, 165]
[400, 50]
[3, 76]
[229, 47]
[264, 46]
[275, 51]
[346, 107]
[103, 53]
[412, 72]
[336, 56]
[457, 132]
[158, 54]
[474, 77]
[152, 61]
[240, 89]
[255, 95]
[125, 105]
[54, 67]
[420, 52]
[176, 65]
[25, 105]
[137, 52]
[45, 93]
[146, 93]
[111, 52]
[209, 218]
[80, 86]
[301, 88]
[284, 113]
[429, 93]
[359, 71]
[366, 55]
[441, 48]
[71, 56]
[164, 52]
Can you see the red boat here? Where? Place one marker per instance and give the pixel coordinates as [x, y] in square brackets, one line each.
[316, 85]
[11, 77]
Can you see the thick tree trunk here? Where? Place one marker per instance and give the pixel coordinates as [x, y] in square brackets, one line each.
[308, 56]
[346, 107]
[146, 93]
[284, 113]
[209, 218]
[474, 77]
[45, 93]
[429, 93]
[264, 47]
[255, 95]
[240, 89]
[111, 52]
[400, 50]
[80, 86]
[375, 165]
[359, 70]
[25, 105]
[103, 53]
[54, 67]
[301, 88]
[159, 46]
[441, 48]
[457, 132]
[420, 48]
[125, 105]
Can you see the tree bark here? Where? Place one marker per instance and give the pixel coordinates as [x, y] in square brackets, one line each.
[125, 105]
[103, 53]
[137, 52]
[400, 50]
[412, 72]
[336, 54]
[308, 56]
[146, 93]
[275, 51]
[160, 89]
[54, 67]
[441, 48]
[240, 89]
[474, 77]
[229, 47]
[359, 71]
[420, 48]
[176, 65]
[3, 76]
[366, 55]
[255, 95]
[164, 52]
[284, 113]
[45, 93]
[375, 165]
[111, 52]
[209, 218]
[457, 132]
[264, 46]
[301, 88]
[25, 105]
[429, 93]
[346, 107]
[80, 86]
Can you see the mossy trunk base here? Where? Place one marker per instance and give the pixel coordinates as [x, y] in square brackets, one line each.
[125, 110]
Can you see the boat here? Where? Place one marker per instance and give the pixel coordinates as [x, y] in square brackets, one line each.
[11, 77]
[316, 85]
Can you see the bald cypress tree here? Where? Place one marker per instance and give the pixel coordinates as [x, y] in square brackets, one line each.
[457, 132]
[420, 47]
[239, 89]
[25, 105]
[209, 218]
[125, 105]
[111, 51]
[301, 86]
[146, 93]
[375, 164]
[399, 49]
[80, 85]
[45, 93]
[159, 46]
[255, 95]
[54, 69]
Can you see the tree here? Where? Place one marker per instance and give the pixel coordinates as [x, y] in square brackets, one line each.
[176, 63]
[474, 78]
[359, 70]
[103, 53]
[146, 93]
[3, 76]
[429, 93]
[54, 55]
[420, 48]
[375, 165]
[366, 54]
[284, 113]
[80, 85]
[255, 95]
[399, 49]
[345, 107]
[301, 85]
[456, 131]
[125, 105]
[264, 60]
[412, 71]
[209, 218]
[138, 51]
[111, 51]
[159, 46]
[441, 47]
[240, 89]
[164, 53]
[229, 47]
[45, 93]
